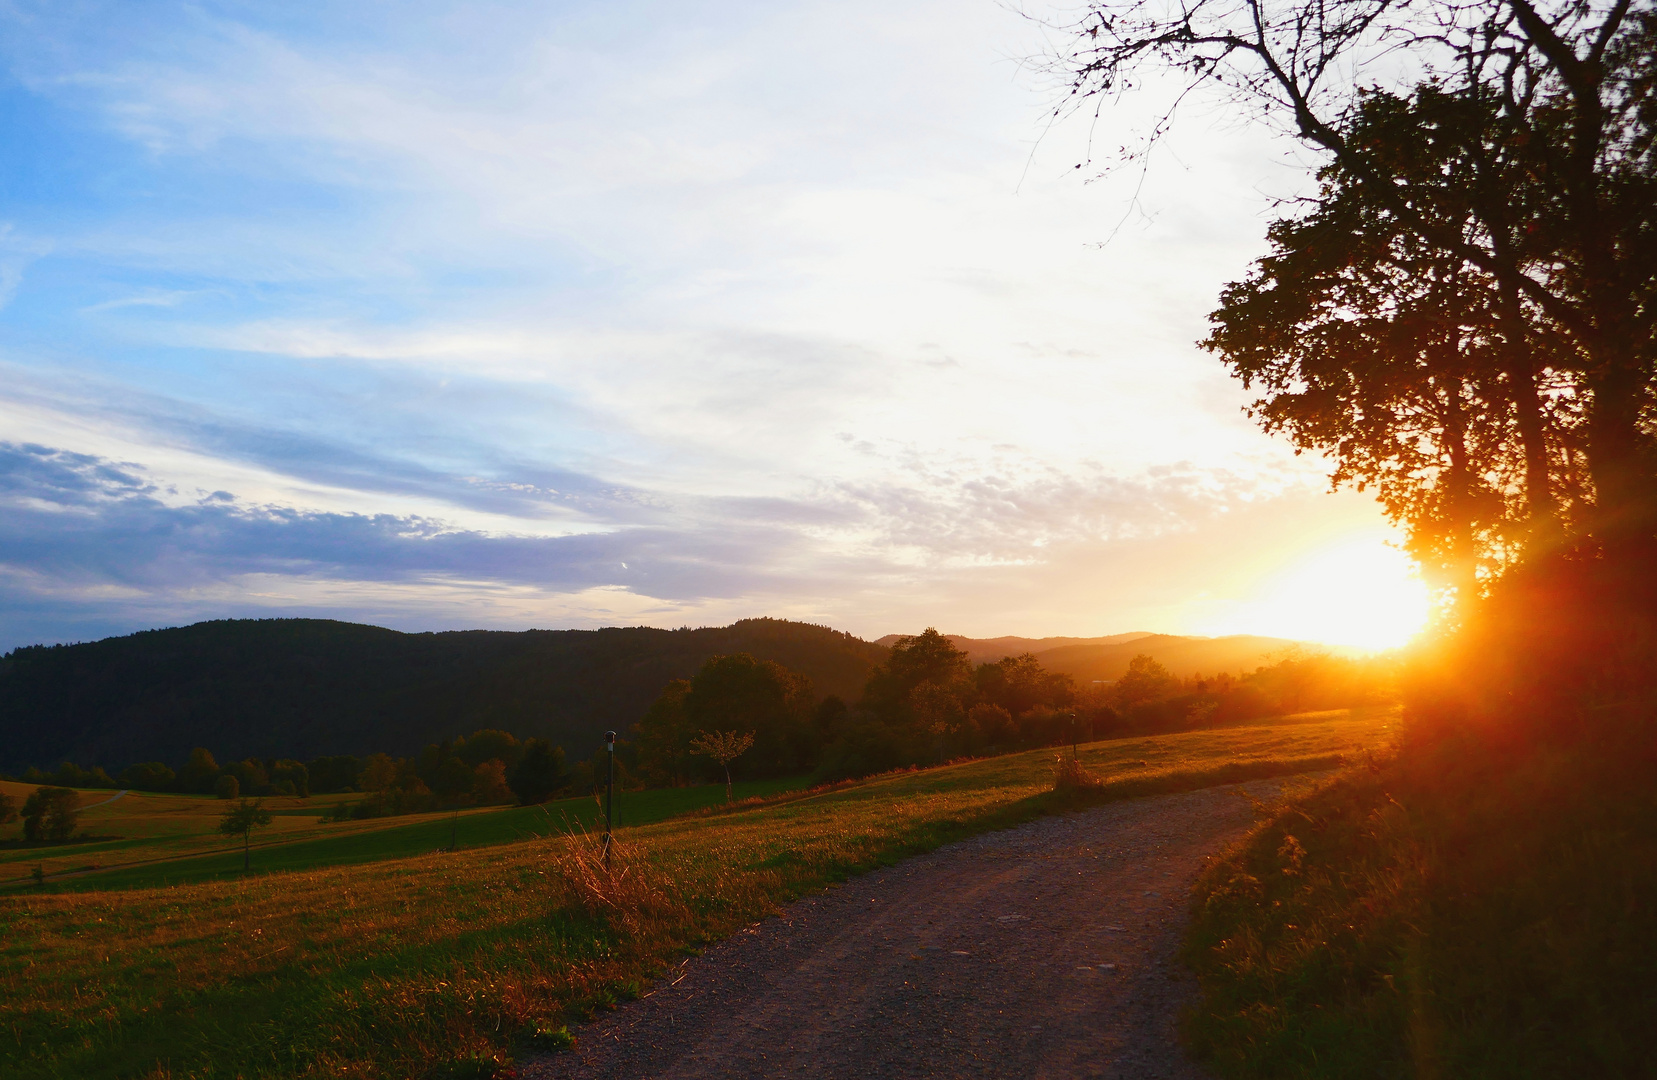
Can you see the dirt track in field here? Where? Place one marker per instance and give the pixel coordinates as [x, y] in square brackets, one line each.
[1047, 950]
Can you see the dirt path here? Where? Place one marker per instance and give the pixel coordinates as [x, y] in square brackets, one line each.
[1048, 950]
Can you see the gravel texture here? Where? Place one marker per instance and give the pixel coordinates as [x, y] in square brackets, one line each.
[1046, 950]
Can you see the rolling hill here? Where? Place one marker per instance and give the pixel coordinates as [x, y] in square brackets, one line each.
[307, 687]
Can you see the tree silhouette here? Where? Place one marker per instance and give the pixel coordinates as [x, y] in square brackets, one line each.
[241, 820]
[1508, 141]
[1146, 680]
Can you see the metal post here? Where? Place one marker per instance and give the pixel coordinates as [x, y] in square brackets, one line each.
[609, 796]
[1074, 751]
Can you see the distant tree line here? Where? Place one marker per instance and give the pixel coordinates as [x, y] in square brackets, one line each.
[488, 767]
[927, 702]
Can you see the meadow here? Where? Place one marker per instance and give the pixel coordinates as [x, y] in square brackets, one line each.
[444, 962]
[173, 839]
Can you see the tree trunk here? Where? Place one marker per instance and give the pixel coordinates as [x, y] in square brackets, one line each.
[1458, 502]
[1619, 466]
[727, 780]
[1541, 507]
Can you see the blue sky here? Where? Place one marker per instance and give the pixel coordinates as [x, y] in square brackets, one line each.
[568, 314]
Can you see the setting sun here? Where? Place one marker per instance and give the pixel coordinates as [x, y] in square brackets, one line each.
[1359, 592]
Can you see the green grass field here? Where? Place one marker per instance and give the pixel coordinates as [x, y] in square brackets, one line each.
[173, 839]
[398, 966]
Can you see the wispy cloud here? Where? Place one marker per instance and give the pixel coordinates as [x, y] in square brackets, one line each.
[77, 523]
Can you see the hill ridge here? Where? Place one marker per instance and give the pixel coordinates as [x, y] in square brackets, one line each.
[310, 687]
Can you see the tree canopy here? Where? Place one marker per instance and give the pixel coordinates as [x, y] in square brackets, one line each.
[1462, 316]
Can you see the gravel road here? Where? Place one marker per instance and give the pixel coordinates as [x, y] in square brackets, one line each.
[1047, 950]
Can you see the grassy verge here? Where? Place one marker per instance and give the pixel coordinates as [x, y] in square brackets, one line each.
[1475, 907]
[409, 967]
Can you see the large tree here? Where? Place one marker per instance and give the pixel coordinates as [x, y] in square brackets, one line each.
[1539, 203]
[927, 657]
[741, 693]
[1414, 370]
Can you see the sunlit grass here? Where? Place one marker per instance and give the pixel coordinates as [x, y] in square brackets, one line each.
[171, 839]
[383, 968]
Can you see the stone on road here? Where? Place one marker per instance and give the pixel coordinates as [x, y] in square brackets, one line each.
[1046, 950]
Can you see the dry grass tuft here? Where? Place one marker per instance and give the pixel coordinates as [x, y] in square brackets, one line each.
[1069, 774]
[626, 892]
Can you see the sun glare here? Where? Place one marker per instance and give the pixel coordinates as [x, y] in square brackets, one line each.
[1358, 592]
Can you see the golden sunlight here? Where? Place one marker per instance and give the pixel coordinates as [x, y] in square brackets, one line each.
[1358, 592]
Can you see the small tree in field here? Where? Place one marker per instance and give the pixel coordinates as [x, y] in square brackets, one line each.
[724, 747]
[241, 820]
[50, 814]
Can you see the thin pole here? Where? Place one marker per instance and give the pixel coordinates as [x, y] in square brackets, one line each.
[609, 796]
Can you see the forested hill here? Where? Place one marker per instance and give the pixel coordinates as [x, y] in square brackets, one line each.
[307, 687]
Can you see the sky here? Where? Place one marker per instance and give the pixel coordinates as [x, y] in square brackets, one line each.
[557, 314]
